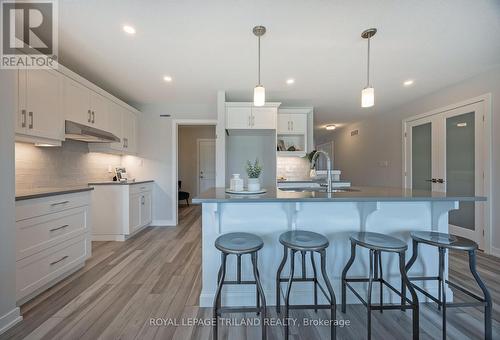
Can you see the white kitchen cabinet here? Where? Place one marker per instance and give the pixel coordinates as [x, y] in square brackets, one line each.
[292, 123]
[52, 240]
[84, 106]
[115, 120]
[244, 116]
[129, 140]
[39, 106]
[120, 210]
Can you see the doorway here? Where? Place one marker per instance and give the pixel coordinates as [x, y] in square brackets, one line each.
[447, 151]
[205, 164]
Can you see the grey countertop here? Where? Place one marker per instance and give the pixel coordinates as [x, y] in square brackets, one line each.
[47, 192]
[121, 183]
[354, 194]
[310, 180]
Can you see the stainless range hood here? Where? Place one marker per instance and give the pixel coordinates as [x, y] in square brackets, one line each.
[83, 133]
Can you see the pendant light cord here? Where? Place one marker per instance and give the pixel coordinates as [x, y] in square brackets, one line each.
[259, 60]
[368, 66]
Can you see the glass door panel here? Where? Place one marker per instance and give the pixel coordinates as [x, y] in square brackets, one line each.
[460, 166]
[421, 150]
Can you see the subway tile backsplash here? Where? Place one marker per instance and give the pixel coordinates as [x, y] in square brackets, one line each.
[69, 165]
[293, 168]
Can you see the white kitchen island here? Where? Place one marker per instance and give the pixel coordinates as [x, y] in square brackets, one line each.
[392, 211]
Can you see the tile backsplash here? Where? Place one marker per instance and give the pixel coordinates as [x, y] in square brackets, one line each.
[69, 165]
[293, 168]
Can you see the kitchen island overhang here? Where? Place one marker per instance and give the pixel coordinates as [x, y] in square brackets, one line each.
[392, 211]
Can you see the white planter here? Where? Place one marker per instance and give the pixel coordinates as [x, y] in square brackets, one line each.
[253, 184]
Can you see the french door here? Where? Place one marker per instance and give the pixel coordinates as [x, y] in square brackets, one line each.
[444, 152]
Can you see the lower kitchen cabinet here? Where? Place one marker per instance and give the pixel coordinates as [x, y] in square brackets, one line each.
[120, 209]
[52, 240]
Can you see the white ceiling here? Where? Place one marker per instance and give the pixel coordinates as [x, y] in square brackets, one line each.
[208, 46]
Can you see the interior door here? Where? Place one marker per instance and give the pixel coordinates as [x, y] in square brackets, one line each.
[206, 164]
[445, 154]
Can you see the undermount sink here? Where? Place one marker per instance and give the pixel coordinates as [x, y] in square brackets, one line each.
[315, 189]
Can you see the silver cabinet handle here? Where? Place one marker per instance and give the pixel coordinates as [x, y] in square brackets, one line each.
[249, 120]
[93, 117]
[30, 114]
[288, 125]
[125, 142]
[23, 122]
[59, 203]
[59, 228]
[292, 124]
[61, 259]
[90, 116]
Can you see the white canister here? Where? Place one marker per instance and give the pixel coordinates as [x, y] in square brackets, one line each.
[236, 183]
[253, 184]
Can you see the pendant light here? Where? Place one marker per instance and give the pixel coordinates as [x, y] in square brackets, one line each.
[259, 92]
[368, 93]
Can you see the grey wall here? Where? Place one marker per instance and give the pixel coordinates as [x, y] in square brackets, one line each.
[9, 313]
[188, 154]
[362, 158]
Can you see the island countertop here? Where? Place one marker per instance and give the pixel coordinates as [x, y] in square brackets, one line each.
[353, 194]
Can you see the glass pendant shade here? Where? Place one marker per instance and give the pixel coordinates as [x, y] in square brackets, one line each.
[367, 97]
[259, 95]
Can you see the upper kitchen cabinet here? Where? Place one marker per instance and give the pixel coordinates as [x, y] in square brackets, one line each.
[84, 106]
[245, 116]
[295, 123]
[295, 131]
[39, 117]
[129, 140]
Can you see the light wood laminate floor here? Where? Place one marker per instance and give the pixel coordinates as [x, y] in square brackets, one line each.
[157, 274]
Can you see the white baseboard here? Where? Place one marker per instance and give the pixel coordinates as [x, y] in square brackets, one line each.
[10, 319]
[494, 251]
[163, 223]
[108, 238]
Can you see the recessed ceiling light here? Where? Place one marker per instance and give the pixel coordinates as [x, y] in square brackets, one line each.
[408, 82]
[168, 79]
[290, 81]
[331, 127]
[128, 29]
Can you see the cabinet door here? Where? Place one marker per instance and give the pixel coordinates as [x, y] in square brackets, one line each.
[135, 207]
[238, 117]
[115, 121]
[77, 102]
[22, 114]
[99, 107]
[129, 132]
[283, 123]
[298, 123]
[264, 118]
[43, 104]
[146, 213]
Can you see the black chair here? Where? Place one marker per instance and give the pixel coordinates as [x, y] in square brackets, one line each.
[183, 195]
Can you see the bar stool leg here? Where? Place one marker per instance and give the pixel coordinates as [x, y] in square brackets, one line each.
[369, 298]
[414, 297]
[333, 301]
[440, 278]
[278, 280]
[381, 277]
[315, 281]
[217, 300]
[344, 275]
[261, 293]
[289, 288]
[488, 333]
[442, 252]
[257, 293]
[408, 266]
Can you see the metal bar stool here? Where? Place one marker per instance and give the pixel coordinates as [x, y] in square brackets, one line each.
[239, 244]
[378, 243]
[444, 242]
[305, 242]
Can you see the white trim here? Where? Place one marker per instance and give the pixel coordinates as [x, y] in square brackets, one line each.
[163, 223]
[487, 164]
[198, 140]
[175, 157]
[495, 251]
[10, 319]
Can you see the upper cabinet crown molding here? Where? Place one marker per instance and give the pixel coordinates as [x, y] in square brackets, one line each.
[246, 116]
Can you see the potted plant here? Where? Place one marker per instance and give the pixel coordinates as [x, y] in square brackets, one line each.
[253, 171]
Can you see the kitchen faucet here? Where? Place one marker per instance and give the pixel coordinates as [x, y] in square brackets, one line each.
[328, 167]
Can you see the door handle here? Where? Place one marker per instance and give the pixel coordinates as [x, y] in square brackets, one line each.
[30, 114]
[23, 122]
[93, 117]
[90, 116]
[59, 228]
[61, 259]
[59, 203]
[432, 180]
[440, 180]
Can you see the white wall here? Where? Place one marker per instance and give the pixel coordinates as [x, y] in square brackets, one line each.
[380, 139]
[9, 313]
